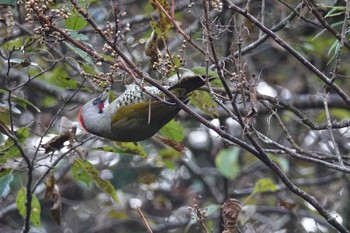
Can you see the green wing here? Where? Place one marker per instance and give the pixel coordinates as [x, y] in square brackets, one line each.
[136, 122]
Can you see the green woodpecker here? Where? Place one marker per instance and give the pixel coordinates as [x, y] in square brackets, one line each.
[135, 115]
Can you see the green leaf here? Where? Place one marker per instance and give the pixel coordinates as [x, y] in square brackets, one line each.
[107, 57]
[334, 10]
[60, 78]
[20, 101]
[118, 214]
[16, 43]
[132, 148]
[85, 2]
[22, 134]
[5, 172]
[8, 150]
[5, 185]
[36, 208]
[336, 114]
[227, 162]
[80, 52]
[203, 101]
[265, 185]
[20, 202]
[201, 70]
[282, 162]
[89, 69]
[65, 82]
[78, 36]
[8, 2]
[49, 101]
[90, 171]
[213, 209]
[108, 149]
[75, 23]
[168, 157]
[169, 153]
[79, 173]
[176, 61]
[173, 130]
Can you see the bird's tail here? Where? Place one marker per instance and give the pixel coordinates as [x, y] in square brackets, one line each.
[189, 84]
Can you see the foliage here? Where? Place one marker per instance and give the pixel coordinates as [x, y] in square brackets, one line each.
[21, 200]
[255, 144]
[86, 172]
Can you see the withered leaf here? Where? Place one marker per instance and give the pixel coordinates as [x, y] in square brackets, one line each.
[171, 143]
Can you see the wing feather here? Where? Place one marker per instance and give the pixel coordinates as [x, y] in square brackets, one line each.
[141, 120]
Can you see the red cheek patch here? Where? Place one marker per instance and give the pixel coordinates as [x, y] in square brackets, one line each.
[100, 107]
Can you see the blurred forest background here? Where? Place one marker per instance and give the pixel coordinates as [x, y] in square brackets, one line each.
[262, 148]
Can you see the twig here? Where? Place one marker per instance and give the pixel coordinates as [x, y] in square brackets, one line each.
[284, 22]
[144, 220]
[54, 119]
[262, 13]
[28, 203]
[292, 51]
[218, 64]
[294, 154]
[256, 150]
[325, 24]
[330, 130]
[53, 165]
[291, 140]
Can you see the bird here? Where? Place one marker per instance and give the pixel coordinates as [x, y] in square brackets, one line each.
[136, 114]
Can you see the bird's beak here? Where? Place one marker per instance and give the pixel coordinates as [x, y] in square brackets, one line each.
[105, 95]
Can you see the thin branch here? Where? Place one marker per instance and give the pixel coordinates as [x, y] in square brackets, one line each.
[326, 25]
[217, 63]
[293, 143]
[54, 164]
[291, 50]
[330, 130]
[256, 150]
[28, 203]
[284, 22]
[294, 154]
[53, 119]
[144, 220]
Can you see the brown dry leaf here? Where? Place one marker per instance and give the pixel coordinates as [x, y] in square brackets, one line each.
[253, 111]
[287, 205]
[52, 193]
[171, 143]
[56, 143]
[230, 211]
[56, 209]
[67, 133]
[50, 184]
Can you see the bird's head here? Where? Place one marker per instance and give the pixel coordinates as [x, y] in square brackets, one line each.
[94, 108]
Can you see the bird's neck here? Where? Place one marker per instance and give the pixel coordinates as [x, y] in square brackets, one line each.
[98, 123]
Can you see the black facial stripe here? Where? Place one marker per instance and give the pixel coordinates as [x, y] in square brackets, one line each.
[96, 101]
